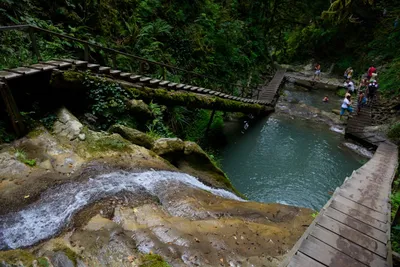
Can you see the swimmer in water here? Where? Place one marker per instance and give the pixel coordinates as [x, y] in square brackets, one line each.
[326, 99]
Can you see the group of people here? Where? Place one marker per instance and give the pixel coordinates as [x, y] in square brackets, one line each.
[367, 89]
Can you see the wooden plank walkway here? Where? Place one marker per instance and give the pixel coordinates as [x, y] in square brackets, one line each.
[356, 127]
[269, 93]
[353, 228]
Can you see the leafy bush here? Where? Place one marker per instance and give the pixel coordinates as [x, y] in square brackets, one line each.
[157, 128]
[394, 132]
[107, 100]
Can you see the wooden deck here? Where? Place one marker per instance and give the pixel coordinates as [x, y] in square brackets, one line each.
[267, 95]
[356, 128]
[353, 228]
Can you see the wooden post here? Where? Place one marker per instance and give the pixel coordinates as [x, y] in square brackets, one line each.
[210, 122]
[164, 73]
[12, 109]
[114, 61]
[86, 52]
[32, 36]
[141, 67]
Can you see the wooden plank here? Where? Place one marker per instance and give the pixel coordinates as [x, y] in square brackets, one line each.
[104, 69]
[180, 86]
[187, 87]
[25, 71]
[326, 254]
[353, 235]
[93, 66]
[115, 72]
[57, 63]
[357, 225]
[135, 77]
[347, 247]
[155, 81]
[171, 85]
[301, 260]
[125, 74]
[368, 195]
[145, 79]
[8, 75]
[360, 208]
[163, 83]
[360, 216]
[43, 67]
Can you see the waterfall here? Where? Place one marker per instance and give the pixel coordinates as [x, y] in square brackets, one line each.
[55, 208]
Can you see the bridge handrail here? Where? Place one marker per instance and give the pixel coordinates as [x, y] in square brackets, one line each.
[88, 44]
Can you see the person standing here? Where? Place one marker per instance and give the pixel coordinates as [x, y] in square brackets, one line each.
[372, 89]
[371, 70]
[349, 85]
[317, 73]
[362, 100]
[346, 105]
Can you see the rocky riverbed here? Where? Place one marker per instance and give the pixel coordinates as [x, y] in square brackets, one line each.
[75, 197]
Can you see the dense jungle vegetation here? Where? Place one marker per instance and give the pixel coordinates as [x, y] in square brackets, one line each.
[235, 41]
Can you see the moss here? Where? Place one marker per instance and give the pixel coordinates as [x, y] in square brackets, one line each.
[153, 260]
[111, 142]
[394, 132]
[42, 262]
[68, 252]
[99, 142]
[35, 132]
[14, 256]
[74, 79]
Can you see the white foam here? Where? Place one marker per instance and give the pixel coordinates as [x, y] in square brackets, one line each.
[337, 129]
[55, 208]
[362, 151]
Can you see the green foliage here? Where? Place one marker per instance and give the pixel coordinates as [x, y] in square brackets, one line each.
[153, 260]
[20, 154]
[315, 214]
[341, 92]
[195, 131]
[107, 100]
[5, 135]
[49, 120]
[395, 233]
[390, 79]
[394, 132]
[157, 128]
[42, 262]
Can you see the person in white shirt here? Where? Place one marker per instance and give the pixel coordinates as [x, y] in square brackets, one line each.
[346, 105]
[349, 85]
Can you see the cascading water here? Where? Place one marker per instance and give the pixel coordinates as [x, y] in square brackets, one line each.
[55, 208]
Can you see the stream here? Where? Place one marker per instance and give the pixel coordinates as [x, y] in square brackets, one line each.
[54, 210]
[290, 160]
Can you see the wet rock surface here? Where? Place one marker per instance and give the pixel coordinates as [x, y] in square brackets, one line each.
[134, 136]
[184, 224]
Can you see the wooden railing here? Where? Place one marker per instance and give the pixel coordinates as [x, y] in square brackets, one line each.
[243, 91]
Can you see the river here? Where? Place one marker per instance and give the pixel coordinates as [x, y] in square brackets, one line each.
[289, 160]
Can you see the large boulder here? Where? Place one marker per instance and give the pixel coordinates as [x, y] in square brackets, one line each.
[67, 125]
[140, 110]
[136, 137]
[165, 147]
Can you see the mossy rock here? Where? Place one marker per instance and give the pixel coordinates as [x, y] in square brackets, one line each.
[169, 147]
[153, 260]
[140, 110]
[136, 137]
[101, 142]
[13, 257]
[336, 111]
